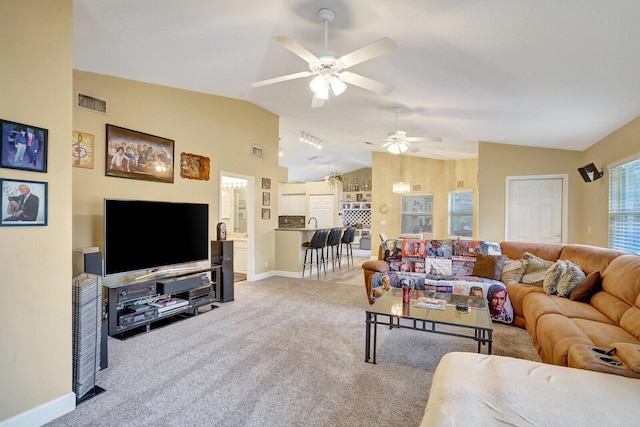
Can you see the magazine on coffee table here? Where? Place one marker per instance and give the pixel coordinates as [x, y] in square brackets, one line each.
[431, 303]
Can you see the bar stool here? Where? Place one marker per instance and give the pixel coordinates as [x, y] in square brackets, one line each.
[317, 245]
[347, 238]
[333, 247]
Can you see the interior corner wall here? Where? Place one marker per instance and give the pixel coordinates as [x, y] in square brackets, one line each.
[223, 129]
[35, 337]
[593, 220]
[496, 162]
[437, 177]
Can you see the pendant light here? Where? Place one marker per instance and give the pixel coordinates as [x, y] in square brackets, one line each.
[401, 187]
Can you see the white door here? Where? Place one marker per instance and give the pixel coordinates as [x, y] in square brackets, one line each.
[536, 209]
[321, 207]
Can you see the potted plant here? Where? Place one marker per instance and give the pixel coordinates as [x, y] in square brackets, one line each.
[334, 178]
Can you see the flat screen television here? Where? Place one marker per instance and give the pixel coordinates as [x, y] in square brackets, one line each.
[143, 235]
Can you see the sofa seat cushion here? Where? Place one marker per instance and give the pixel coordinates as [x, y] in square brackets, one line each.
[555, 333]
[470, 389]
[604, 334]
[579, 310]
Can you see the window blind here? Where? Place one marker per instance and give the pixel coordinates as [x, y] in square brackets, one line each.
[461, 214]
[624, 207]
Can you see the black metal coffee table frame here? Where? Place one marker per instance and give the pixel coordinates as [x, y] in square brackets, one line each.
[421, 319]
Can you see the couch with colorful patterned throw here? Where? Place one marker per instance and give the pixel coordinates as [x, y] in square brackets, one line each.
[466, 267]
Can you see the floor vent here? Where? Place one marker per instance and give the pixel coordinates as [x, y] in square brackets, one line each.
[91, 103]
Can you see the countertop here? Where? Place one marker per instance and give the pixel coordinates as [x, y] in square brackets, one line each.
[307, 229]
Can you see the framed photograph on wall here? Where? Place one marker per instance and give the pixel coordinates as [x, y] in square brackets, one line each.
[193, 166]
[266, 213]
[23, 202]
[266, 183]
[137, 155]
[23, 146]
[266, 198]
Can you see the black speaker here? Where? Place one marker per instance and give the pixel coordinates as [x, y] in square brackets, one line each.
[87, 260]
[590, 172]
[222, 254]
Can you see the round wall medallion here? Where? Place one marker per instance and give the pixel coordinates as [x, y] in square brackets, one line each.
[383, 208]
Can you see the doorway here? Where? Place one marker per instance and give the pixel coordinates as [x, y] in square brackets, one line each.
[321, 208]
[236, 210]
[536, 208]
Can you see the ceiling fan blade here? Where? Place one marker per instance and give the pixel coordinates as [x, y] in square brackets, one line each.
[317, 102]
[296, 48]
[370, 51]
[282, 78]
[365, 83]
[423, 139]
[412, 147]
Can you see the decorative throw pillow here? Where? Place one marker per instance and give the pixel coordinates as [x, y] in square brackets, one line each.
[536, 269]
[569, 279]
[488, 266]
[585, 289]
[552, 277]
[513, 270]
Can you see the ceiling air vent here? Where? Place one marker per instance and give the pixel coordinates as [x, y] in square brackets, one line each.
[91, 103]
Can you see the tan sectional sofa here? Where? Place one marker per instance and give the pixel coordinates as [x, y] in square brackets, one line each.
[576, 333]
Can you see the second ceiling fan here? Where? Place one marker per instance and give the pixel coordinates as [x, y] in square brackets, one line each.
[398, 142]
[329, 69]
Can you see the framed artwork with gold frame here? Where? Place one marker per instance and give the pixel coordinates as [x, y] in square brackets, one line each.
[193, 166]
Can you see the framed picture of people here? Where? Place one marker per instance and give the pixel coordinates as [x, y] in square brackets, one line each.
[23, 202]
[137, 155]
[23, 146]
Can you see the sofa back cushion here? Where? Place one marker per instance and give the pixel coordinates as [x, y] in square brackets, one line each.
[548, 251]
[620, 295]
[589, 258]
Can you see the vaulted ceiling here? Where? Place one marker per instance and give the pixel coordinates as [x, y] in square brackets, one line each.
[547, 73]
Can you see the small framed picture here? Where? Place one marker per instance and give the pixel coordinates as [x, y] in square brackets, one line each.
[23, 146]
[358, 197]
[82, 150]
[266, 183]
[23, 202]
[193, 166]
[266, 213]
[266, 198]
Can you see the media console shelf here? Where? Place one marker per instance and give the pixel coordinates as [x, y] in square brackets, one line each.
[135, 306]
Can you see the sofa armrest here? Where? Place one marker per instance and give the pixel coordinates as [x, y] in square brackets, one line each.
[370, 268]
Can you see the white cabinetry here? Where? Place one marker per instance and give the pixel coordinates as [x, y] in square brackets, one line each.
[292, 204]
[240, 256]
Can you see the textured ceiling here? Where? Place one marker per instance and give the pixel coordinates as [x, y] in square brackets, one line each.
[547, 73]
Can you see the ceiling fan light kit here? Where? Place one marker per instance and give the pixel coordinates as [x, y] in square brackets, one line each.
[328, 68]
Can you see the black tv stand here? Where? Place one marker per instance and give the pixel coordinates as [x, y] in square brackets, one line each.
[138, 306]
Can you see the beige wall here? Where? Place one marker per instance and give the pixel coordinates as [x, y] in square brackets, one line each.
[36, 88]
[496, 162]
[588, 202]
[437, 177]
[222, 129]
[594, 209]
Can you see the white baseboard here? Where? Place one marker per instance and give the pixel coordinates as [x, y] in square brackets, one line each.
[44, 413]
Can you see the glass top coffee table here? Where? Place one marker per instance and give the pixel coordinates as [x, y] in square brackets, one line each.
[471, 320]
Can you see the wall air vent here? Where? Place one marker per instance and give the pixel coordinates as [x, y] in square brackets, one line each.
[91, 103]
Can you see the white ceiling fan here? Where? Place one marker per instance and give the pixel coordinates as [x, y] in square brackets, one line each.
[398, 141]
[329, 69]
